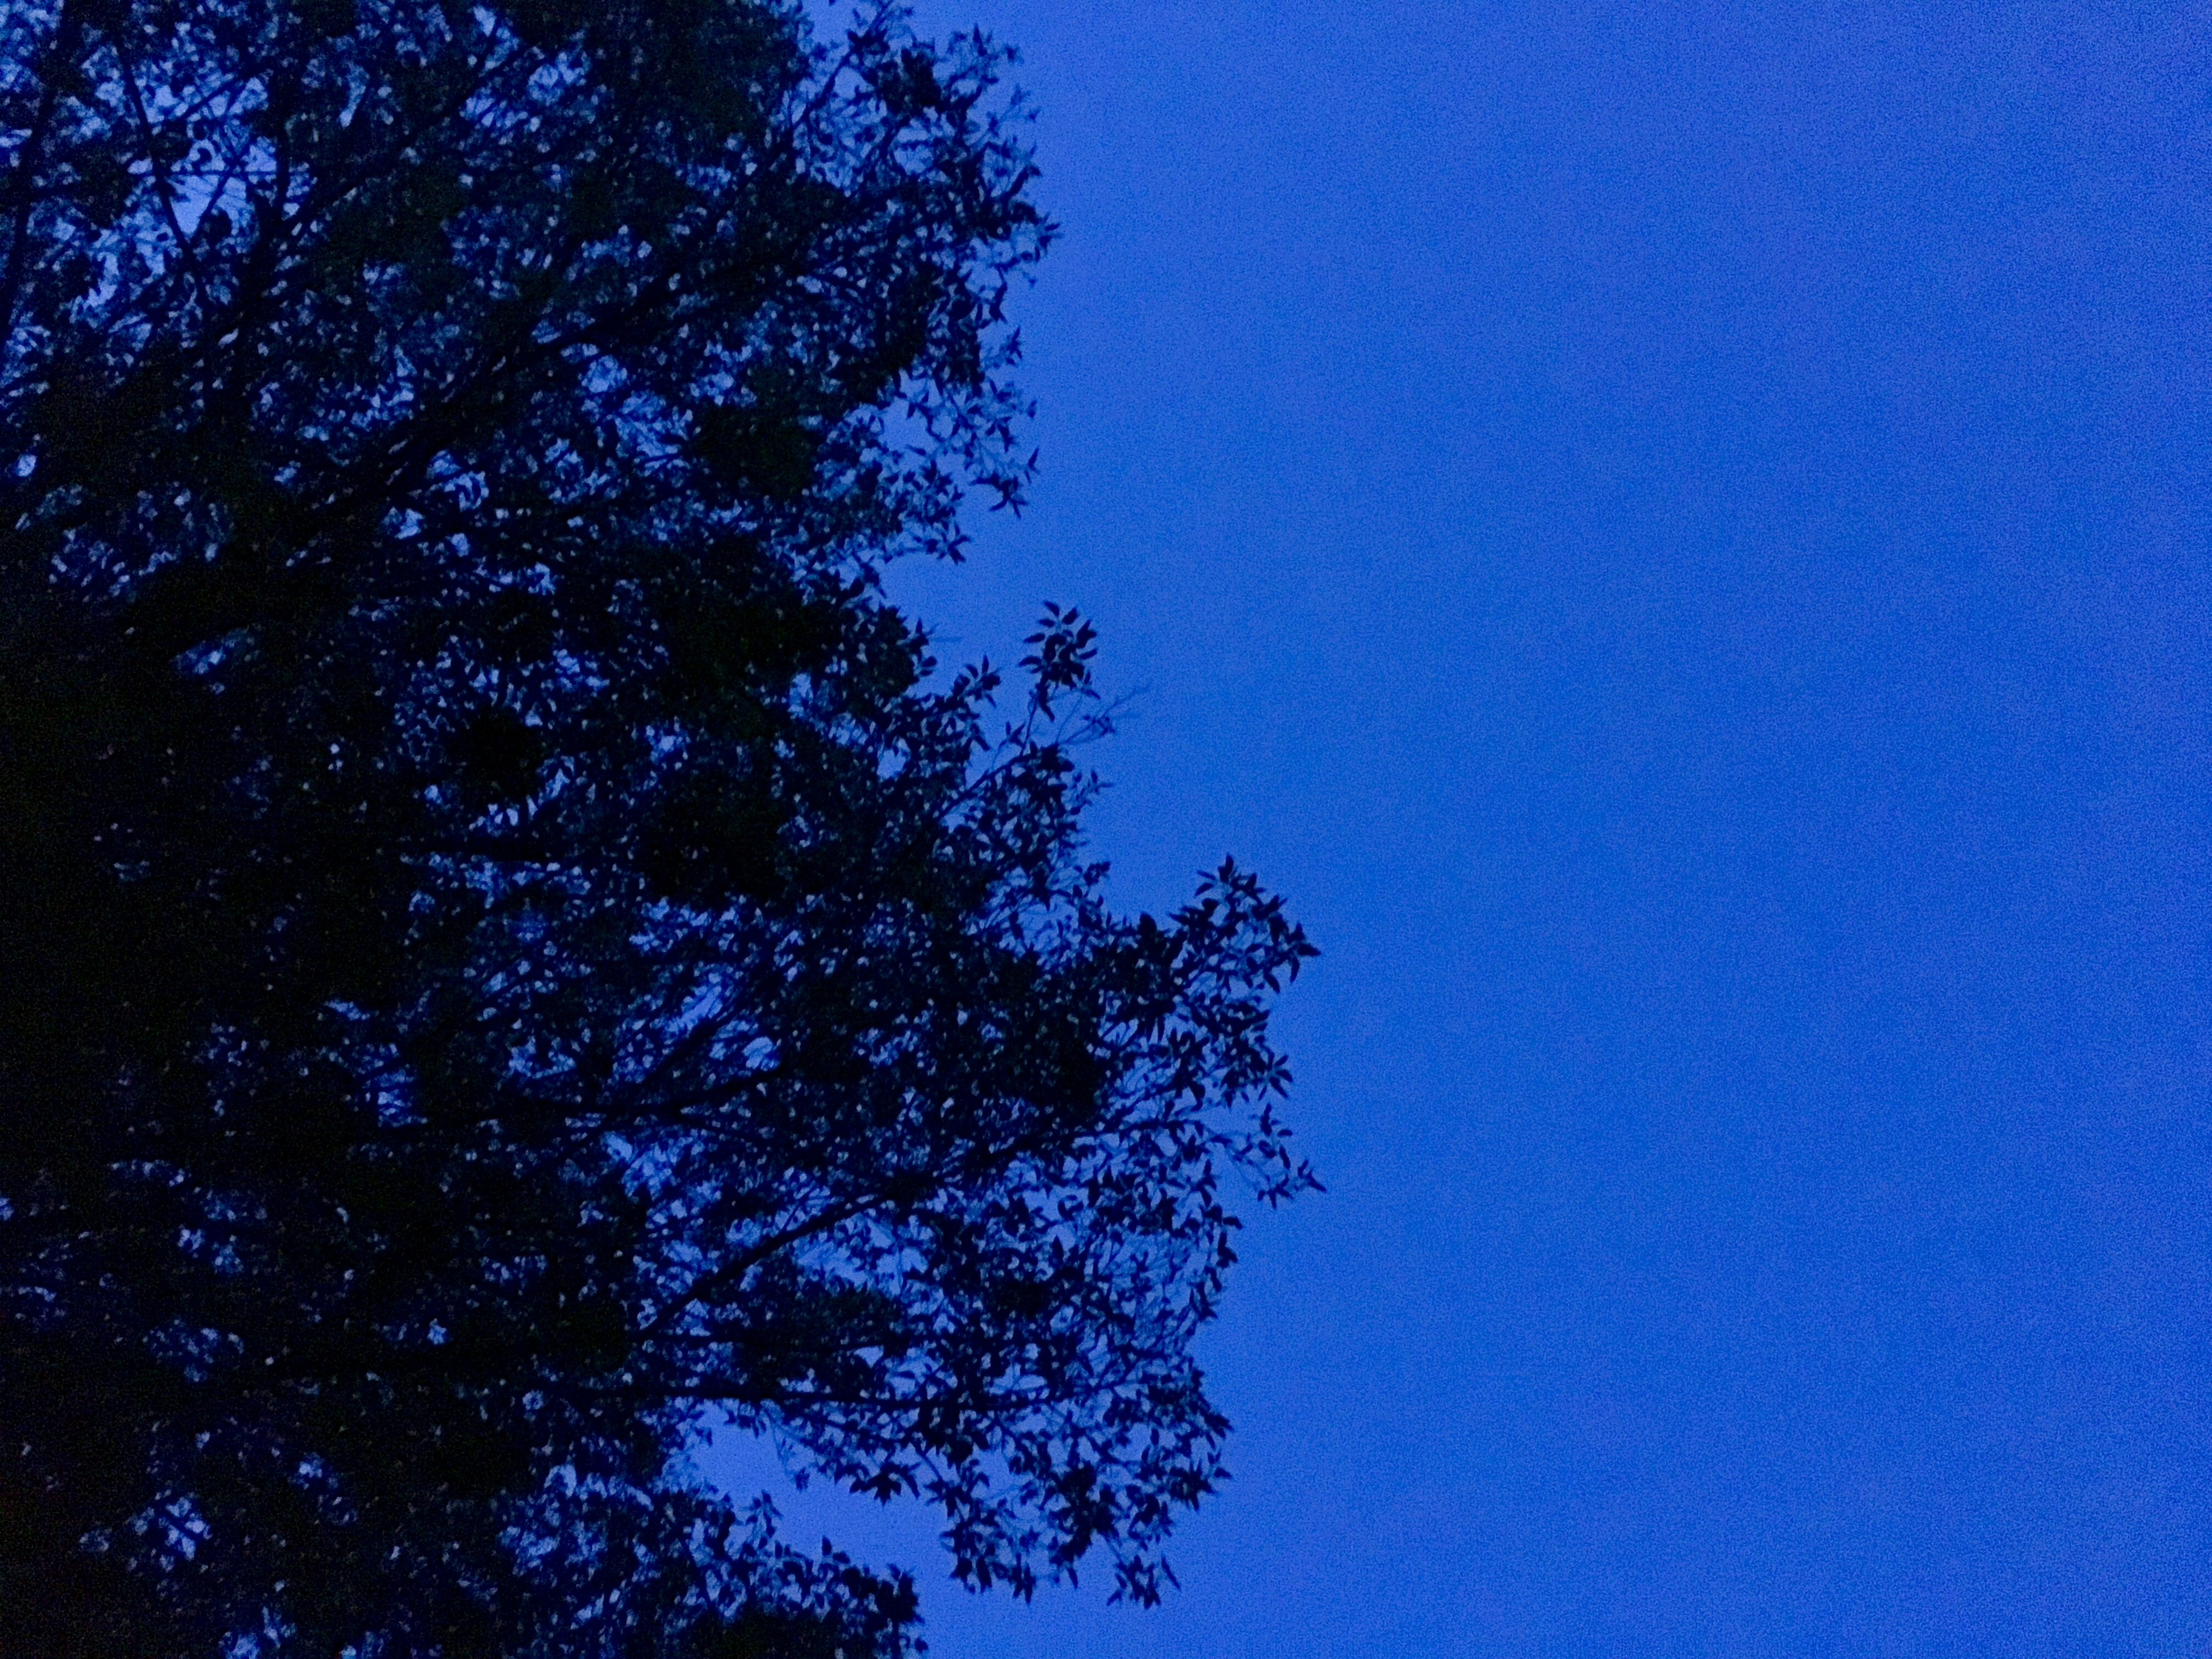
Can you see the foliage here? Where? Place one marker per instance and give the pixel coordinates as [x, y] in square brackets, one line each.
[511, 945]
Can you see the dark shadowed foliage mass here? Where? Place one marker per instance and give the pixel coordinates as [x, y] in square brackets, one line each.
[512, 952]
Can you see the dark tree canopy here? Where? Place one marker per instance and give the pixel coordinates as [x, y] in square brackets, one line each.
[510, 948]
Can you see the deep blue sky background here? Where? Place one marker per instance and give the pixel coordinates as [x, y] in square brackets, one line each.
[1679, 536]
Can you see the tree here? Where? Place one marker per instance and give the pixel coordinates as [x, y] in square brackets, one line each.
[511, 945]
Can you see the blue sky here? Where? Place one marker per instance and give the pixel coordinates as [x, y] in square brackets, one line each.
[1679, 536]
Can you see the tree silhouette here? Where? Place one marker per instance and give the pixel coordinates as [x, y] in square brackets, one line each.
[510, 945]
